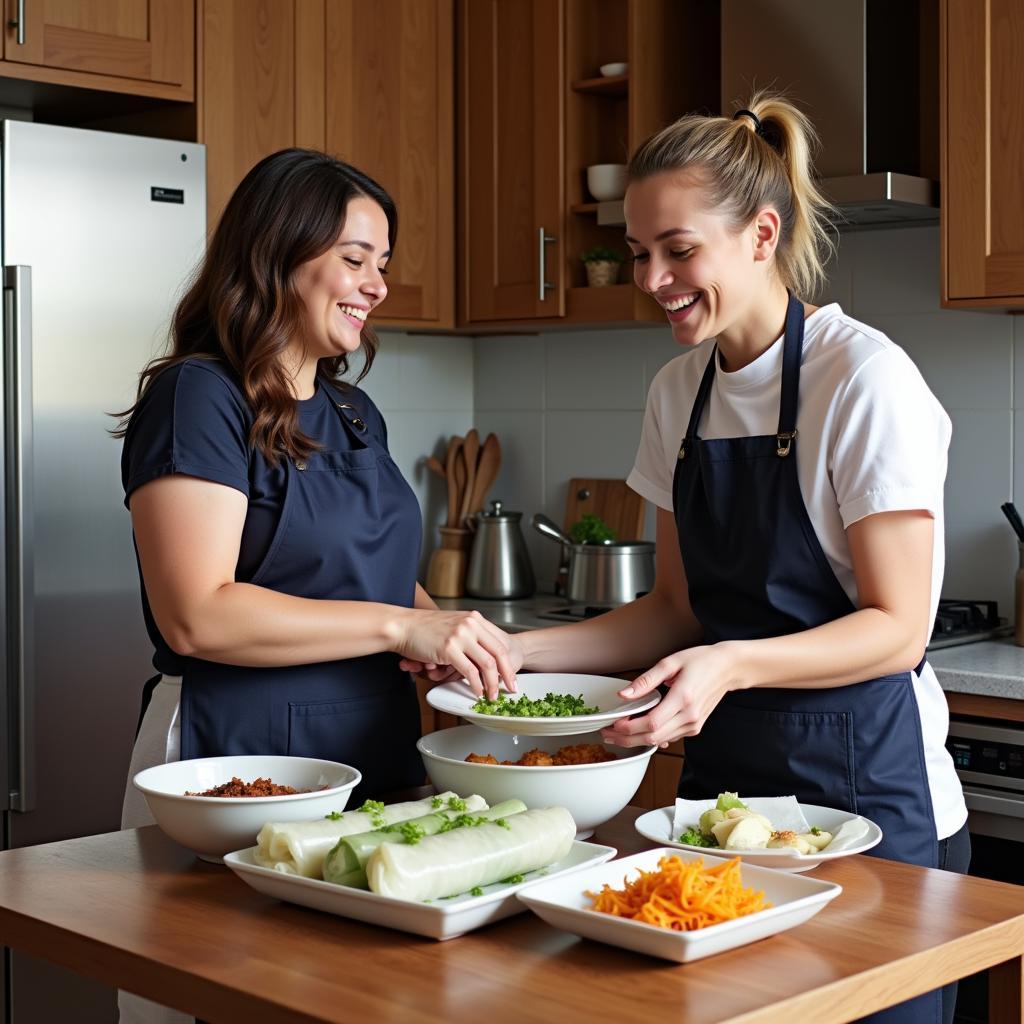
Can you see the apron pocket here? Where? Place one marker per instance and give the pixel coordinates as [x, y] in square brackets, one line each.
[376, 734]
[759, 752]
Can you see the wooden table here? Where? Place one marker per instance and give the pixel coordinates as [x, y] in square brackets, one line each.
[134, 910]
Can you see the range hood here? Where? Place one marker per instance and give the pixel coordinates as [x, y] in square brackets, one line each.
[866, 74]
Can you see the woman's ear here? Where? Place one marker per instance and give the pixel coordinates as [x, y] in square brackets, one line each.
[766, 226]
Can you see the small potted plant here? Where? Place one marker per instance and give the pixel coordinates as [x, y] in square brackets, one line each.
[602, 265]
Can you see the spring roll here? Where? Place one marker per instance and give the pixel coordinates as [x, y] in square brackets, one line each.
[346, 863]
[457, 861]
[299, 847]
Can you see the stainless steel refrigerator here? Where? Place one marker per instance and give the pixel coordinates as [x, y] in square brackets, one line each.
[100, 232]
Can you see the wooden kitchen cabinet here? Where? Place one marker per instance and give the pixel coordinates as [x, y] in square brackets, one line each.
[145, 47]
[534, 112]
[982, 137]
[371, 85]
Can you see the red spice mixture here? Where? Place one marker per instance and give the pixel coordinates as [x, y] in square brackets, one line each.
[260, 787]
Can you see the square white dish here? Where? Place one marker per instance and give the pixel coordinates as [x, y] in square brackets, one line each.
[455, 698]
[563, 903]
[657, 826]
[438, 919]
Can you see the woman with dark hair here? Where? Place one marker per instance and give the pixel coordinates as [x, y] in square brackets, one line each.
[277, 541]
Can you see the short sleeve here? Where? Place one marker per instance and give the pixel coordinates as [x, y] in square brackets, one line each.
[191, 421]
[651, 476]
[891, 441]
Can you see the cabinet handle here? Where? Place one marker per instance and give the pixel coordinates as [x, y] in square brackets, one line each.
[19, 22]
[545, 286]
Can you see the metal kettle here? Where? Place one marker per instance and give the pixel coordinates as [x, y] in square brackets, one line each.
[499, 564]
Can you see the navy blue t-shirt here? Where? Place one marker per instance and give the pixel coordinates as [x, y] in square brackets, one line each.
[194, 420]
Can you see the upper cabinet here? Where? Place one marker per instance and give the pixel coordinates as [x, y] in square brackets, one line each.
[145, 47]
[371, 85]
[535, 111]
[982, 153]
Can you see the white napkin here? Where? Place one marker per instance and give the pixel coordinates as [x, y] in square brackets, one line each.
[850, 833]
[782, 811]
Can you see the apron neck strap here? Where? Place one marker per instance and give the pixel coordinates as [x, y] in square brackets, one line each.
[792, 351]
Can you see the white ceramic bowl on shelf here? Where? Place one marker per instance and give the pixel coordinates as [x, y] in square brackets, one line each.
[606, 182]
[619, 67]
[212, 826]
[592, 793]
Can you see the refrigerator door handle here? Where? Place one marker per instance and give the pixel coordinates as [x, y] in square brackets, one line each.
[18, 488]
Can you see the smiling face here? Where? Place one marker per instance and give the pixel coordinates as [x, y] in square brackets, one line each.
[342, 286]
[706, 275]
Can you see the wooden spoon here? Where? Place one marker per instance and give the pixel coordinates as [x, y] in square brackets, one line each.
[458, 492]
[487, 471]
[450, 461]
[470, 452]
[435, 466]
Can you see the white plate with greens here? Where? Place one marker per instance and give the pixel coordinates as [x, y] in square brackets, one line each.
[546, 704]
[658, 827]
[436, 919]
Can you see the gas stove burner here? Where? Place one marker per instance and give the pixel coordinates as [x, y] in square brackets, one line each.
[965, 622]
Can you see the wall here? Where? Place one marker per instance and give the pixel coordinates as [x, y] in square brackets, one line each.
[571, 404]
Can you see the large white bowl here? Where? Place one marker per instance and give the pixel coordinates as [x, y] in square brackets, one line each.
[592, 793]
[606, 181]
[214, 825]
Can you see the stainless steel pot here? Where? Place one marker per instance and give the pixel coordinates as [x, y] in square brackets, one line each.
[603, 574]
[499, 566]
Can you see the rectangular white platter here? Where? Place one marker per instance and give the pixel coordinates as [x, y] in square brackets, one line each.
[439, 919]
[563, 903]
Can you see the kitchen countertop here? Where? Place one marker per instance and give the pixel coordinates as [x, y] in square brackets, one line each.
[992, 668]
[135, 910]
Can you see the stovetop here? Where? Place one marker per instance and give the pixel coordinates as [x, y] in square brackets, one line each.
[957, 622]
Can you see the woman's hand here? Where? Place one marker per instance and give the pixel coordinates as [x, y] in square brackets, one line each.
[446, 645]
[697, 679]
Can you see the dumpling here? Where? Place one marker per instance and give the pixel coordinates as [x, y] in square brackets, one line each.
[781, 840]
[748, 834]
[817, 841]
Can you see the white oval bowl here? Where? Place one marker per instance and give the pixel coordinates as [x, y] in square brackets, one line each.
[592, 793]
[606, 181]
[214, 825]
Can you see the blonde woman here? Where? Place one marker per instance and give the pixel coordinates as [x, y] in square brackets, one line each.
[797, 461]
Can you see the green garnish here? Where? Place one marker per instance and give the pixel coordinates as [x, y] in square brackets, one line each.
[466, 821]
[513, 879]
[436, 803]
[815, 831]
[502, 822]
[376, 811]
[411, 832]
[334, 816]
[476, 891]
[551, 705]
[694, 837]
[456, 803]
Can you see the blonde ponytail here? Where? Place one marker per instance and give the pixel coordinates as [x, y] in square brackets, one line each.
[748, 163]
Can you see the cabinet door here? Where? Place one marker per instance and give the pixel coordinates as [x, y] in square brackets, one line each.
[511, 159]
[248, 77]
[143, 40]
[983, 152]
[389, 72]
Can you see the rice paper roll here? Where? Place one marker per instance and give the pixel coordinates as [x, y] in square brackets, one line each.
[299, 847]
[457, 861]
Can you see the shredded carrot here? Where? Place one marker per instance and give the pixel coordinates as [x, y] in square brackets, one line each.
[682, 895]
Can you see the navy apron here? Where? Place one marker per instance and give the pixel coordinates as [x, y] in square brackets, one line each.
[755, 569]
[349, 529]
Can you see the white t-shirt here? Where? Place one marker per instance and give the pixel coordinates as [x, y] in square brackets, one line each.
[871, 438]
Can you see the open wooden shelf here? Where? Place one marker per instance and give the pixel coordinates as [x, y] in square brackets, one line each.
[585, 209]
[613, 85]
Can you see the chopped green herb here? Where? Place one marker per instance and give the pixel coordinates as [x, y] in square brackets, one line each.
[436, 803]
[334, 816]
[476, 891]
[467, 821]
[411, 832]
[513, 879]
[456, 803]
[376, 811]
[815, 831]
[694, 837]
[502, 822]
[453, 895]
[552, 705]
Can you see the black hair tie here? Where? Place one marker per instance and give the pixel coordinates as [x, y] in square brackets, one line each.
[758, 127]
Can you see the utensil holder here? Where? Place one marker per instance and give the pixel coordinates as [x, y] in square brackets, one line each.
[446, 571]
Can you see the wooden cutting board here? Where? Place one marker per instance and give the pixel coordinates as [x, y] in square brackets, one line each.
[619, 506]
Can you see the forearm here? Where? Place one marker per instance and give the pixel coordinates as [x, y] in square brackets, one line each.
[242, 624]
[633, 636]
[862, 645]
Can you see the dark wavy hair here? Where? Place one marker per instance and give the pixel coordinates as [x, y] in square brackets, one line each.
[242, 306]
